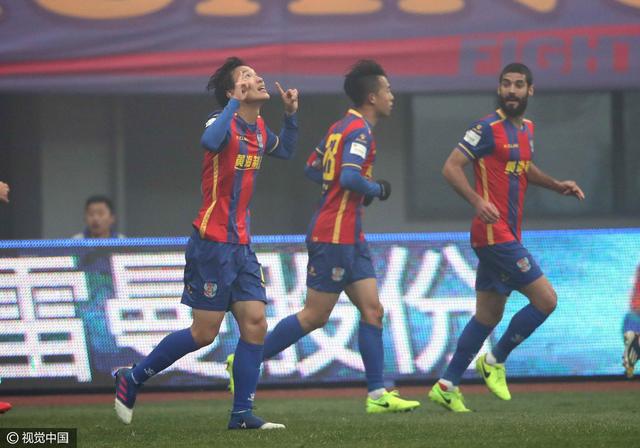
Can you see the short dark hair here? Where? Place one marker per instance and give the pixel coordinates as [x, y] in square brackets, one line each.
[517, 67]
[222, 80]
[362, 80]
[99, 199]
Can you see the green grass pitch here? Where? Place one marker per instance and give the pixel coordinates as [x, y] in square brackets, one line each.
[566, 419]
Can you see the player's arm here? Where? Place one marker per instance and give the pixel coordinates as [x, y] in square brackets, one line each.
[453, 172]
[313, 167]
[217, 128]
[565, 187]
[476, 143]
[4, 192]
[284, 145]
[353, 157]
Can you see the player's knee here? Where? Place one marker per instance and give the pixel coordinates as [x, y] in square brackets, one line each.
[203, 336]
[549, 303]
[319, 320]
[373, 314]
[257, 326]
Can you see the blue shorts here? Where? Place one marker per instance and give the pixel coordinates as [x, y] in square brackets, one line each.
[505, 267]
[218, 274]
[331, 267]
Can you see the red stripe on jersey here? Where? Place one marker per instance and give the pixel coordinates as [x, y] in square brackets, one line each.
[493, 173]
[338, 219]
[218, 182]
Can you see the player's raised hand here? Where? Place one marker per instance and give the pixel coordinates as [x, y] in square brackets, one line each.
[487, 212]
[4, 192]
[570, 188]
[289, 98]
[241, 88]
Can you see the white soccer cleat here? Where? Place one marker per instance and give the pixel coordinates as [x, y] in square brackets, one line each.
[124, 413]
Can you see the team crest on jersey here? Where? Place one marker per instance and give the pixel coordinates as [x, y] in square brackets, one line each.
[210, 289]
[337, 274]
[523, 264]
[311, 271]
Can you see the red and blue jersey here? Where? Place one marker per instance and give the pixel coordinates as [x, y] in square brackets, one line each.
[229, 174]
[501, 155]
[348, 143]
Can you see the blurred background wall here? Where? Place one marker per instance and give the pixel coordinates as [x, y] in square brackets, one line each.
[112, 101]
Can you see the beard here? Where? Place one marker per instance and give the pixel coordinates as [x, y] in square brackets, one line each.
[511, 111]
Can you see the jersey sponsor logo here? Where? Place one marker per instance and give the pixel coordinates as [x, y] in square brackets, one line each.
[260, 140]
[210, 122]
[523, 264]
[472, 137]
[248, 162]
[358, 149]
[242, 138]
[517, 167]
[510, 145]
[210, 289]
[337, 274]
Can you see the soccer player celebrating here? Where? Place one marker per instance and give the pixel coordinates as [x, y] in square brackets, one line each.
[500, 146]
[222, 272]
[631, 330]
[339, 258]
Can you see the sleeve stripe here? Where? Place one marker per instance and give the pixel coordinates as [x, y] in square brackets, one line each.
[319, 151]
[352, 164]
[274, 146]
[466, 151]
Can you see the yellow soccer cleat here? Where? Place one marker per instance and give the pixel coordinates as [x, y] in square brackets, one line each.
[451, 400]
[390, 402]
[495, 376]
[229, 368]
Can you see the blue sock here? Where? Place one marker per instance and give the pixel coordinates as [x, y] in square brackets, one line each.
[372, 352]
[522, 324]
[173, 347]
[246, 371]
[287, 332]
[470, 342]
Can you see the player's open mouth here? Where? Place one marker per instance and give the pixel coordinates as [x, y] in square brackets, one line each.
[262, 89]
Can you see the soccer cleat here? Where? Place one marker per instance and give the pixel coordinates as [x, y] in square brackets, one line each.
[5, 407]
[246, 420]
[631, 352]
[390, 402]
[229, 369]
[495, 376]
[451, 400]
[126, 391]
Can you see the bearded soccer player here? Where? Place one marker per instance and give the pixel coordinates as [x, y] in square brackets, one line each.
[631, 330]
[222, 272]
[339, 258]
[500, 147]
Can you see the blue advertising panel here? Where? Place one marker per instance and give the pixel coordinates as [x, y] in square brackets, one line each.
[73, 310]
